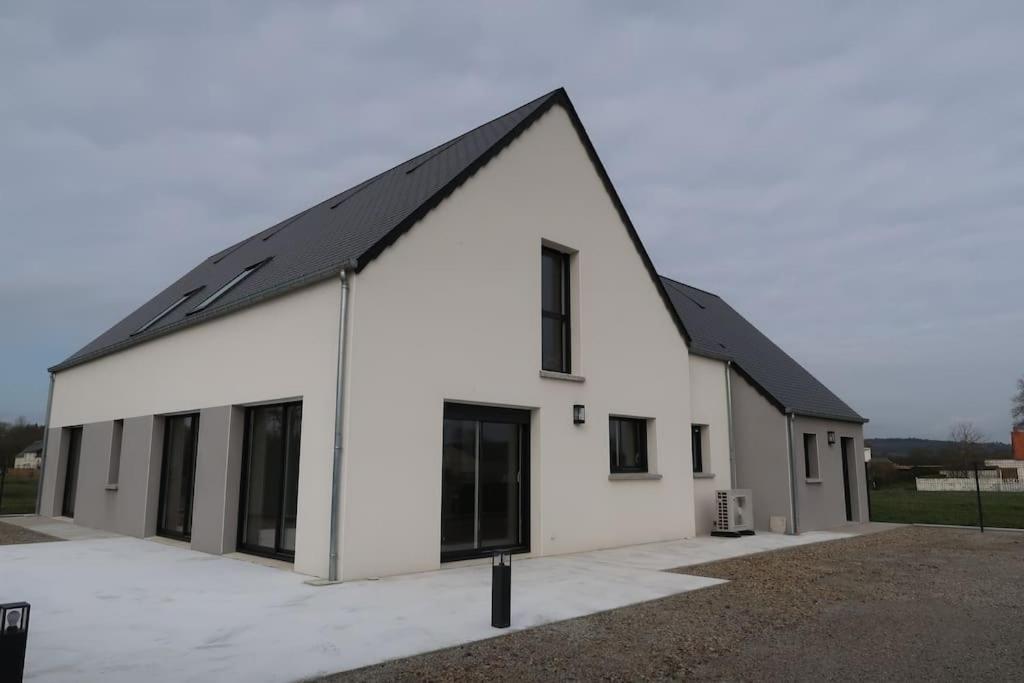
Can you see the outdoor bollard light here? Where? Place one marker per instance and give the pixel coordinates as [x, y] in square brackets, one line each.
[13, 639]
[501, 589]
[579, 415]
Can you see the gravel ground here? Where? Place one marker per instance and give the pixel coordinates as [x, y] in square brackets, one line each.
[914, 604]
[11, 533]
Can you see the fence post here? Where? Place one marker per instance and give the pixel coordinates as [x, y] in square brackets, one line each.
[977, 491]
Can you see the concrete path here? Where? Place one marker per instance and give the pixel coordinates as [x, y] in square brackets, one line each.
[58, 528]
[125, 609]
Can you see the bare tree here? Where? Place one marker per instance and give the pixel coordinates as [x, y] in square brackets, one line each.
[1017, 405]
[965, 437]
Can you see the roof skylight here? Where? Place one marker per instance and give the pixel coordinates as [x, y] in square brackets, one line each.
[162, 314]
[205, 303]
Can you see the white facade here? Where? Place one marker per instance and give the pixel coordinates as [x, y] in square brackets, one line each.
[449, 312]
[709, 403]
[282, 349]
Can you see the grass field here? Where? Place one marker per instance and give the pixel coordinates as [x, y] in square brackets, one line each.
[946, 507]
[19, 496]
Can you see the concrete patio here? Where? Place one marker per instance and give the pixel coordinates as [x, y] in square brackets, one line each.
[125, 609]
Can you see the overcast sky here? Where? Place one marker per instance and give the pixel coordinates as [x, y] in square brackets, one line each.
[850, 178]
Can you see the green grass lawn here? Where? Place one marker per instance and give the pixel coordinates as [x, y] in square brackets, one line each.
[946, 507]
[19, 496]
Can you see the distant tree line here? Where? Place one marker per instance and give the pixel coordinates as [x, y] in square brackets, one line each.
[14, 436]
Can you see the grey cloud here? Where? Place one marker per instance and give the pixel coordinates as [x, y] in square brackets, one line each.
[849, 176]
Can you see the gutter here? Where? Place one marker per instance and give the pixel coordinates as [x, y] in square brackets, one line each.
[728, 411]
[339, 422]
[793, 526]
[46, 440]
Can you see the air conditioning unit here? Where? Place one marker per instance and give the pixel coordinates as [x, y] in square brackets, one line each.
[734, 513]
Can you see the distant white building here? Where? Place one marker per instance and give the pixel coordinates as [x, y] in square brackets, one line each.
[30, 457]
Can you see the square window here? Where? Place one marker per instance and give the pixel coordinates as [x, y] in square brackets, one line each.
[627, 439]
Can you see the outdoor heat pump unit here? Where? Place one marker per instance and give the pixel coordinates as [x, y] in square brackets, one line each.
[734, 513]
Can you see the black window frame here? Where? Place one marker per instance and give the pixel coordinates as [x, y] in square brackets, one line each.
[811, 438]
[498, 414]
[72, 467]
[616, 422]
[697, 448]
[164, 465]
[563, 315]
[279, 552]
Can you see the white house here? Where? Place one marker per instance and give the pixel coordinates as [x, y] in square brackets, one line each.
[467, 352]
[30, 457]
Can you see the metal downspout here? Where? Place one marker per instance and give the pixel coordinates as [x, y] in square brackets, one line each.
[339, 414]
[733, 484]
[794, 524]
[46, 441]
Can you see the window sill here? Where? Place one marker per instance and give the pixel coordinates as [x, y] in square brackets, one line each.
[110, 487]
[812, 481]
[703, 475]
[564, 376]
[627, 476]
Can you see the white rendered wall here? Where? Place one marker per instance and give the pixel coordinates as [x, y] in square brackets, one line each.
[285, 348]
[452, 311]
[709, 403]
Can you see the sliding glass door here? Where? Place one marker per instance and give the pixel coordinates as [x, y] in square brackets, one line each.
[484, 481]
[71, 471]
[270, 480]
[177, 477]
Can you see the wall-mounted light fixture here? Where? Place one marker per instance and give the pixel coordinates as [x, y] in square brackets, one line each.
[579, 415]
[831, 438]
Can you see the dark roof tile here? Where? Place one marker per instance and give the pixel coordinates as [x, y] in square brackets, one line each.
[718, 331]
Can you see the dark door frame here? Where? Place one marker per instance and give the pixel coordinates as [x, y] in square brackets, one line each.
[186, 524]
[74, 455]
[477, 413]
[844, 443]
[278, 553]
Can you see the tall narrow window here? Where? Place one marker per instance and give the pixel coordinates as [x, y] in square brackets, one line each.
[270, 480]
[114, 464]
[227, 286]
[811, 456]
[177, 476]
[627, 440]
[555, 333]
[74, 437]
[697, 447]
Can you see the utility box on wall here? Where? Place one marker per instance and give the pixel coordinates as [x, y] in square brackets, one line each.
[734, 513]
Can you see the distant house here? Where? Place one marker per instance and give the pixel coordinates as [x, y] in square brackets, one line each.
[1017, 443]
[30, 457]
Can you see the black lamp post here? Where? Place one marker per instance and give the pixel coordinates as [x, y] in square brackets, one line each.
[13, 639]
[501, 589]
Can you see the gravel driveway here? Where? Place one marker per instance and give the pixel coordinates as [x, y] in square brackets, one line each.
[11, 533]
[914, 603]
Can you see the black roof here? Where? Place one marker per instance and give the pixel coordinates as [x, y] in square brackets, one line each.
[347, 230]
[718, 331]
